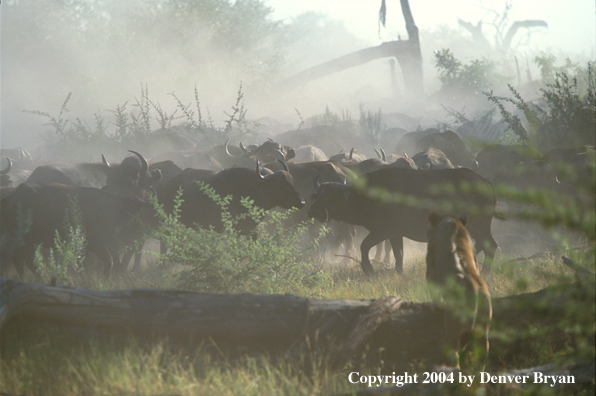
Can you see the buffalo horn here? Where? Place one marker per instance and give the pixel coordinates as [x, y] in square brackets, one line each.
[259, 171]
[26, 153]
[144, 164]
[384, 156]
[476, 162]
[284, 164]
[351, 153]
[406, 155]
[316, 182]
[152, 190]
[244, 149]
[226, 148]
[378, 154]
[104, 160]
[279, 155]
[8, 168]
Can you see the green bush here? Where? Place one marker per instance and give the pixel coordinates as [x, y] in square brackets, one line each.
[66, 258]
[566, 119]
[228, 262]
[463, 81]
[134, 127]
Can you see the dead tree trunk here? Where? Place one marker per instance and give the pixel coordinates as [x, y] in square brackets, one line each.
[407, 52]
[399, 332]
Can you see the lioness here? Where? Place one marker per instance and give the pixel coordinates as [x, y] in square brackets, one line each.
[456, 285]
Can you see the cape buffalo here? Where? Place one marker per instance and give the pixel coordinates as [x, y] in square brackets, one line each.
[455, 190]
[432, 158]
[451, 267]
[267, 152]
[276, 189]
[107, 219]
[309, 153]
[131, 177]
[449, 143]
[10, 177]
[494, 158]
[304, 176]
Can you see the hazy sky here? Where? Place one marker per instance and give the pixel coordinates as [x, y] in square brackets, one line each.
[572, 23]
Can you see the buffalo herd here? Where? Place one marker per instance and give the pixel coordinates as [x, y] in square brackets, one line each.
[430, 189]
[391, 195]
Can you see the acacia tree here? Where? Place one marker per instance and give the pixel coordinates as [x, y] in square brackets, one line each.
[503, 30]
[407, 52]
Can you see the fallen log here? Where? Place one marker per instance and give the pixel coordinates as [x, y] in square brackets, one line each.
[389, 328]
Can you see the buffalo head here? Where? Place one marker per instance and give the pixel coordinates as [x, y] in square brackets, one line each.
[329, 200]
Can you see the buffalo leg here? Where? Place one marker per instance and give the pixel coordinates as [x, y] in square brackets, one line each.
[388, 252]
[371, 240]
[489, 246]
[126, 258]
[18, 260]
[137, 264]
[386, 247]
[397, 243]
[24, 257]
[380, 249]
[107, 258]
[128, 254]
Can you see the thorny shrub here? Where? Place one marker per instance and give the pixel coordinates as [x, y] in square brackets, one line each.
[268, 261]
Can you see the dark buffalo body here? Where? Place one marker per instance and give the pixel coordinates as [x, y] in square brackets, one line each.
[10, 177]
[432, 158]
[198, 159]
[495, 158]
[131, 177]
[394, 221]
[276, 189]
[449, 143]
[107, 219]
[324, 171]
[269, 151]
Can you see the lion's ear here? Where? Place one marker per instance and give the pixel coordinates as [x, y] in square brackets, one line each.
[434, 219]
[463, 220]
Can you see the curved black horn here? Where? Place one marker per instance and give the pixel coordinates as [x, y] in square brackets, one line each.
[244, 149]
[271, 140]
[104, 160]
[152, 190]
[351, 153]
[316, 182]
[406, 155]
[226, 149]
[8, 168]
[259, 171]
[284, 164]
[279, 155]
[26, 153]
[475, 162]
[144, 164]
[378, 154]
[384, 156]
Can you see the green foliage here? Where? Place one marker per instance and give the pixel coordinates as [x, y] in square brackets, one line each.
[236, 128]
[567, 118]
[370, 124]
[228, 262]
[135, 126]
[66, 258]
[461, 81]
[241, 33]
[329, 118]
